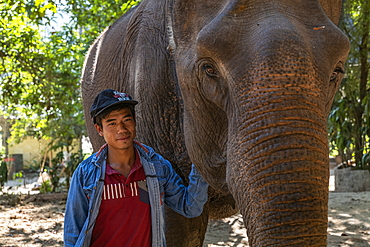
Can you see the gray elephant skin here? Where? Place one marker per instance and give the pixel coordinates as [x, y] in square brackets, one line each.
[242, 89]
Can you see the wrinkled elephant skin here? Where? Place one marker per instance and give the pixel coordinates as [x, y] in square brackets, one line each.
[242, 89]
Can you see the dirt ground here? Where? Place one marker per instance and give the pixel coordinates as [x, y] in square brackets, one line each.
[349, 223]
[37, 220]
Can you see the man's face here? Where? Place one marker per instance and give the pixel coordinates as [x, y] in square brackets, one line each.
[118, 129]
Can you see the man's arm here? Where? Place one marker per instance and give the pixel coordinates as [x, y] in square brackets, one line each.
[185, 200]
[76, 209]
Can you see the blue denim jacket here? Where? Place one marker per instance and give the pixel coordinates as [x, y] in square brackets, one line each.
[164, 185]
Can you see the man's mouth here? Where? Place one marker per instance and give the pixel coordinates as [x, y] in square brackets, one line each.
[123, 138]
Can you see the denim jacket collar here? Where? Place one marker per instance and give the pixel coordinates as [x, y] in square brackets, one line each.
[144, 151]
[100, 156]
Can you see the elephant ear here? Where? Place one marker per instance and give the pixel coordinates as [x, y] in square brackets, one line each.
[333, 9]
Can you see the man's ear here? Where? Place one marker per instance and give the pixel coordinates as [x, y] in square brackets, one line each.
[99, 129]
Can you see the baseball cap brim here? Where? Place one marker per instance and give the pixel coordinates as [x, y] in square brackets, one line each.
[129, 102]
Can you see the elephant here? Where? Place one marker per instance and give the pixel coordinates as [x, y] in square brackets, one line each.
[241, 89]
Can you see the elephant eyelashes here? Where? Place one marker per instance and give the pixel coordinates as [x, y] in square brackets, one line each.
[335, 73]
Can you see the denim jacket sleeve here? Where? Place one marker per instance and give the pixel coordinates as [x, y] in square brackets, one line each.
[185, 200]
[76, 209]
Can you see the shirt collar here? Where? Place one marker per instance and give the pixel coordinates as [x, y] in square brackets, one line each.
[136, 166]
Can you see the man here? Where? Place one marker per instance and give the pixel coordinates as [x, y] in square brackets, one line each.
[116, 195]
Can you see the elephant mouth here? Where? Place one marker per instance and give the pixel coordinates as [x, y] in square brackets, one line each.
[217, 176]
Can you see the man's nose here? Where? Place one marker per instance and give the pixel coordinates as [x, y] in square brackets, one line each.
[121, 127]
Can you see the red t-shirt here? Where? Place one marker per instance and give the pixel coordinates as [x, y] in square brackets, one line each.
[124, 215]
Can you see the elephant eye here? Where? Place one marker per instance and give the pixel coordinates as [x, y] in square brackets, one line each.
[210, 70]
[336, 73]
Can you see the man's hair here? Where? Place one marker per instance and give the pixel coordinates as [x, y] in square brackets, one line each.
[106, 112]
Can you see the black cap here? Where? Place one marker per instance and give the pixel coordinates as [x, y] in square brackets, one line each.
[108, 98]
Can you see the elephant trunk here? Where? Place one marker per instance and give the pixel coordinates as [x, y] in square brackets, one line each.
[278, 164]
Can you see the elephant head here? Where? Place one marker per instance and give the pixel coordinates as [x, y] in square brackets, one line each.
[258, 79]
[242, 89]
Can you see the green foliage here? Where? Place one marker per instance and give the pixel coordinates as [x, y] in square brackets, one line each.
[92, 17]
[349, 121]
[40, 73]
[18, 175]
[54, 174]
[40, 66]
[62, 168]
[34, 165]
[42, 48]
[45, 187]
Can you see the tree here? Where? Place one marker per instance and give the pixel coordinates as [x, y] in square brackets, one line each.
[349, 121]
[41, 59]
[39, 71]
